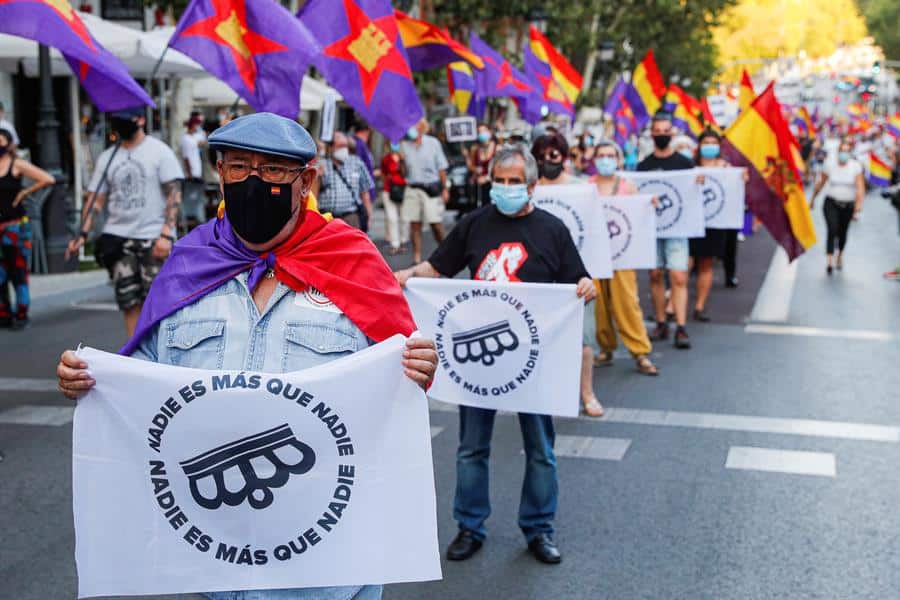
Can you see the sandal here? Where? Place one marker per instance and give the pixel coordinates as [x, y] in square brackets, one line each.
[593, 408]
[604, 359]
[645, 367]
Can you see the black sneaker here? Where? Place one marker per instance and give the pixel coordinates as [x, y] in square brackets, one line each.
[661, 332]
[731, 282]
[20, 324]
[682, 340]
[701, 316]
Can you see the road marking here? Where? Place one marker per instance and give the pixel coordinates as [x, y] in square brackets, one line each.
[773, 302]
[107, 306]
[598, 448]
[781, 461]
[27, 384]
[805, 427]
[852, 334]
[435, 431]
[747, 423]
[32, 414]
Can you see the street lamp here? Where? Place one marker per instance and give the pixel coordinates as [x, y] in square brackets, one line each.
[538, 17]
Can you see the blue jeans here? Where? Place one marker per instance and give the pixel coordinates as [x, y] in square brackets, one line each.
[540, 489]
[367, 592]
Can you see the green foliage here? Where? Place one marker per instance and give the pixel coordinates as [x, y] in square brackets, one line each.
[883, 19]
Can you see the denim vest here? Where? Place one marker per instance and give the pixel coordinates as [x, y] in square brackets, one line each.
[225, 330]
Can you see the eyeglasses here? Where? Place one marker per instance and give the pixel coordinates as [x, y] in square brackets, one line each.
[236, 171]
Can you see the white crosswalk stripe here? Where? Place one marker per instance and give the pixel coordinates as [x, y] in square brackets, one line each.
[597, 448]
[773, 460]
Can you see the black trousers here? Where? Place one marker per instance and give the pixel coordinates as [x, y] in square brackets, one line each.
[729, 259]
[837, 219]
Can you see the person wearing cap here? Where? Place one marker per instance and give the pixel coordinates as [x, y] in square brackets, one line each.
[269, 285]
[138, 182]
[192, 141]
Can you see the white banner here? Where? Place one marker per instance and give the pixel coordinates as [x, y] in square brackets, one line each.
[508, 346]
[722, 192]
[631, 221]
[189, 480]
[578, 205]
[680, 212]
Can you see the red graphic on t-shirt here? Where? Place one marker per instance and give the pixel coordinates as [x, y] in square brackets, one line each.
[503, 263]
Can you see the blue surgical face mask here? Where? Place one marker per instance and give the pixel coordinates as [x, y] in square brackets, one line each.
[709, 151]
[843, 157]
[509, 199]
[606, 165]
[484, 137]
[687, 153]
[412, 133]
[589, 140]
[395, 147]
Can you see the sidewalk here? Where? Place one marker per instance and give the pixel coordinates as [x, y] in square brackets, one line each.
[61, 290]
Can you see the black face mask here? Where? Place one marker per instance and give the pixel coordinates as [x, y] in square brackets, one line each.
[662, 141]
[551, 170]
[124, 128]
[258, 210]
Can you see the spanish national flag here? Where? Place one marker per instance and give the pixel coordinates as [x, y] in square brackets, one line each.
[747, 93]
[760, 140]
[428, 46]
[879, 171]
[644, 93]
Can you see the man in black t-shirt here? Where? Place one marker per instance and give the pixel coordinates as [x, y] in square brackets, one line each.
[509, 240]
[671, 254]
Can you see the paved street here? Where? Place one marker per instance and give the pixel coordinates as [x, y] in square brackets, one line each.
[760, 464]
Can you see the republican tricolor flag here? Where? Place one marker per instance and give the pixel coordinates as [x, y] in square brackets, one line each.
[687, 114]
[558, 82]
[893, 125]
[760, 140]
[879, 171]
[429, 46]
[55, 23]
[461, 84]
[645, 92]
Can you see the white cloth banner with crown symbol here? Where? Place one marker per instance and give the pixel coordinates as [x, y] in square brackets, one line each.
[679, 212]
[190, 480]
[507, 346]
[631, 222]
[579, 207]
[722, 192]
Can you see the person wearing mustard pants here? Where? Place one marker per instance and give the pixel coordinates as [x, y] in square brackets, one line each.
[617, 310]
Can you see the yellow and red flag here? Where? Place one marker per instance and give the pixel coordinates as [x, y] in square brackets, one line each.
[687, 114]
[560, 81]
[747, 93]
[761, 140]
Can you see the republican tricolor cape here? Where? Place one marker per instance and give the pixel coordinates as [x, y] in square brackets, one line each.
[324, 253]
[760, 140]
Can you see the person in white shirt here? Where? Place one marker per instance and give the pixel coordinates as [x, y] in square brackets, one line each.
[845, 189]
[193, 205]
[8, 126]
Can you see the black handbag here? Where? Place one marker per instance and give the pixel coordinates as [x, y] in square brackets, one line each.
[396, 193]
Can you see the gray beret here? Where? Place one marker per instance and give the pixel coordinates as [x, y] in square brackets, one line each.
[267, 133]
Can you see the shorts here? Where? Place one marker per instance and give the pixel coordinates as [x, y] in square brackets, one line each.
[133, 272]
[419, 207]
[672, 254]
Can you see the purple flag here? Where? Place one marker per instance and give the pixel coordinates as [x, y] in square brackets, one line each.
[256, 47]
[498, 78]
[363, 57]
[547, 91]
[104, 77]
[624, 121]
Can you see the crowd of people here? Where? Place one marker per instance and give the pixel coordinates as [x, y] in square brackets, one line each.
[251, 268]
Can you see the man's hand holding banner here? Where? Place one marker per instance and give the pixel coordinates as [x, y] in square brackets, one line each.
[506, 346]
[188, 480]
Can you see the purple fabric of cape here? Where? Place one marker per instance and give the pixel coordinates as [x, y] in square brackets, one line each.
[202, 261]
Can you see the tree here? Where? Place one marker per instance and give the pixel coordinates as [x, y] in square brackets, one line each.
[771, 29]
[883, 19]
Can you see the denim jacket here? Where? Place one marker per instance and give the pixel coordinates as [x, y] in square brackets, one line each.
[225, 330]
